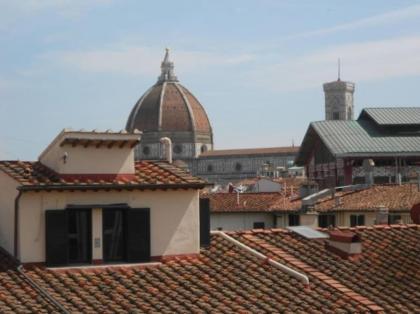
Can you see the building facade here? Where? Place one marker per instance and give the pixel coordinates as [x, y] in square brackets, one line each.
[351, 207]
[381, 146]
[224, 166]
[86, 201]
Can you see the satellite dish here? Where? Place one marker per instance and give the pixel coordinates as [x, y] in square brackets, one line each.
[415, 213]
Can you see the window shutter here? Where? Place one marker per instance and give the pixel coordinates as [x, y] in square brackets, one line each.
[56, 238]
[353, 220]
[138, 235]
[204, 222]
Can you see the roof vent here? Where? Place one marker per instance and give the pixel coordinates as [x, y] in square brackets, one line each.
[345, 244]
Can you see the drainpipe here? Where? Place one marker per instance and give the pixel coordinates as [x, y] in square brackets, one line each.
[270, 261]
[16, 224]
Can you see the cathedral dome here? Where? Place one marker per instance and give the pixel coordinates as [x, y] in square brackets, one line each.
[168, 107]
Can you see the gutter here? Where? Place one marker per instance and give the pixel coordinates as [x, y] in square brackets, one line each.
[16, 224]
[303, 278]
[90, 187]
[41, 290]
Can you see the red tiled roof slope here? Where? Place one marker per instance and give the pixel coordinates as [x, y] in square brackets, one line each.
[251, 202]
[393, 197]
[387, 272]
[224, 279]
[16, 294]
[148, 174]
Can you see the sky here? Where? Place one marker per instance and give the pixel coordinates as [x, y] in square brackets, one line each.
[257, 66]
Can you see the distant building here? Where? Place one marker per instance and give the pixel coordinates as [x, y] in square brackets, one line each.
[168, 109]
[381, 146]
[244, 211]
[353, 206]
[222, 166]
[378, 204]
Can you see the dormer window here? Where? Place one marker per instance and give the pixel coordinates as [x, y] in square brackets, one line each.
[123, 235]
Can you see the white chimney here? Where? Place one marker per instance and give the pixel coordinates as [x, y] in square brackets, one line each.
[166, 149]
[345, 244]
[368, 166]
[382, 216]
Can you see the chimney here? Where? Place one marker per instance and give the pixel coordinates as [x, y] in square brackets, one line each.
[308, 188]
[368, 165]
[346, 244]
[166, 149]
[382, 216]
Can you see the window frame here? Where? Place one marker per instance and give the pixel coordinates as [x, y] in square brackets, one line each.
[359, 220]
[293, 217]
[258, 225]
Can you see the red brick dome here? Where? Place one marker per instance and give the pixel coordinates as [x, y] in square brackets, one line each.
[168, 107]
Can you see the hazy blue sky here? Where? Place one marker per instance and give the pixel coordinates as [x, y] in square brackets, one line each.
[256, 66]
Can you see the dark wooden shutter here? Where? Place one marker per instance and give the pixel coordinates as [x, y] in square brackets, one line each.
[138, 234]
[204, 222]
[56, 238]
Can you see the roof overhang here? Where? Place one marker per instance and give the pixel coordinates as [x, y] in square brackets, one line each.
[93, 138]
[107, 187]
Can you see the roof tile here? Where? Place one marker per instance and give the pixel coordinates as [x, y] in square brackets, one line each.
[148, 174]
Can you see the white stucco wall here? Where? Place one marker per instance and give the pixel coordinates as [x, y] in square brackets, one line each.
[343, 218]
[239, 221]
[264, 185]
[309, 219]
[90, 160]
[8, 194]
[174, 218]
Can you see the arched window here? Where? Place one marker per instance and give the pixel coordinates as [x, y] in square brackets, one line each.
[203, 148]
[238, 166]
[209, 168]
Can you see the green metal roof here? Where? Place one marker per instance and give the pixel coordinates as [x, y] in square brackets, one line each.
[361, 137]
[394, 116]
[377, 132]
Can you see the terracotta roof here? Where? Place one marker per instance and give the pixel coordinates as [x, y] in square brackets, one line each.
[228, 279]
[16, 294]
[251, 202]
[251, 151]
[168, 107]
[224, 279]
[393, 197]
[148, 175]
[385, 276]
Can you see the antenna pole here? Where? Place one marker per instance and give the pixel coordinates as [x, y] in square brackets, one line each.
[339, 69]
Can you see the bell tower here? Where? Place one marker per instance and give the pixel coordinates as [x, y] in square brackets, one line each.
[339, 99]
